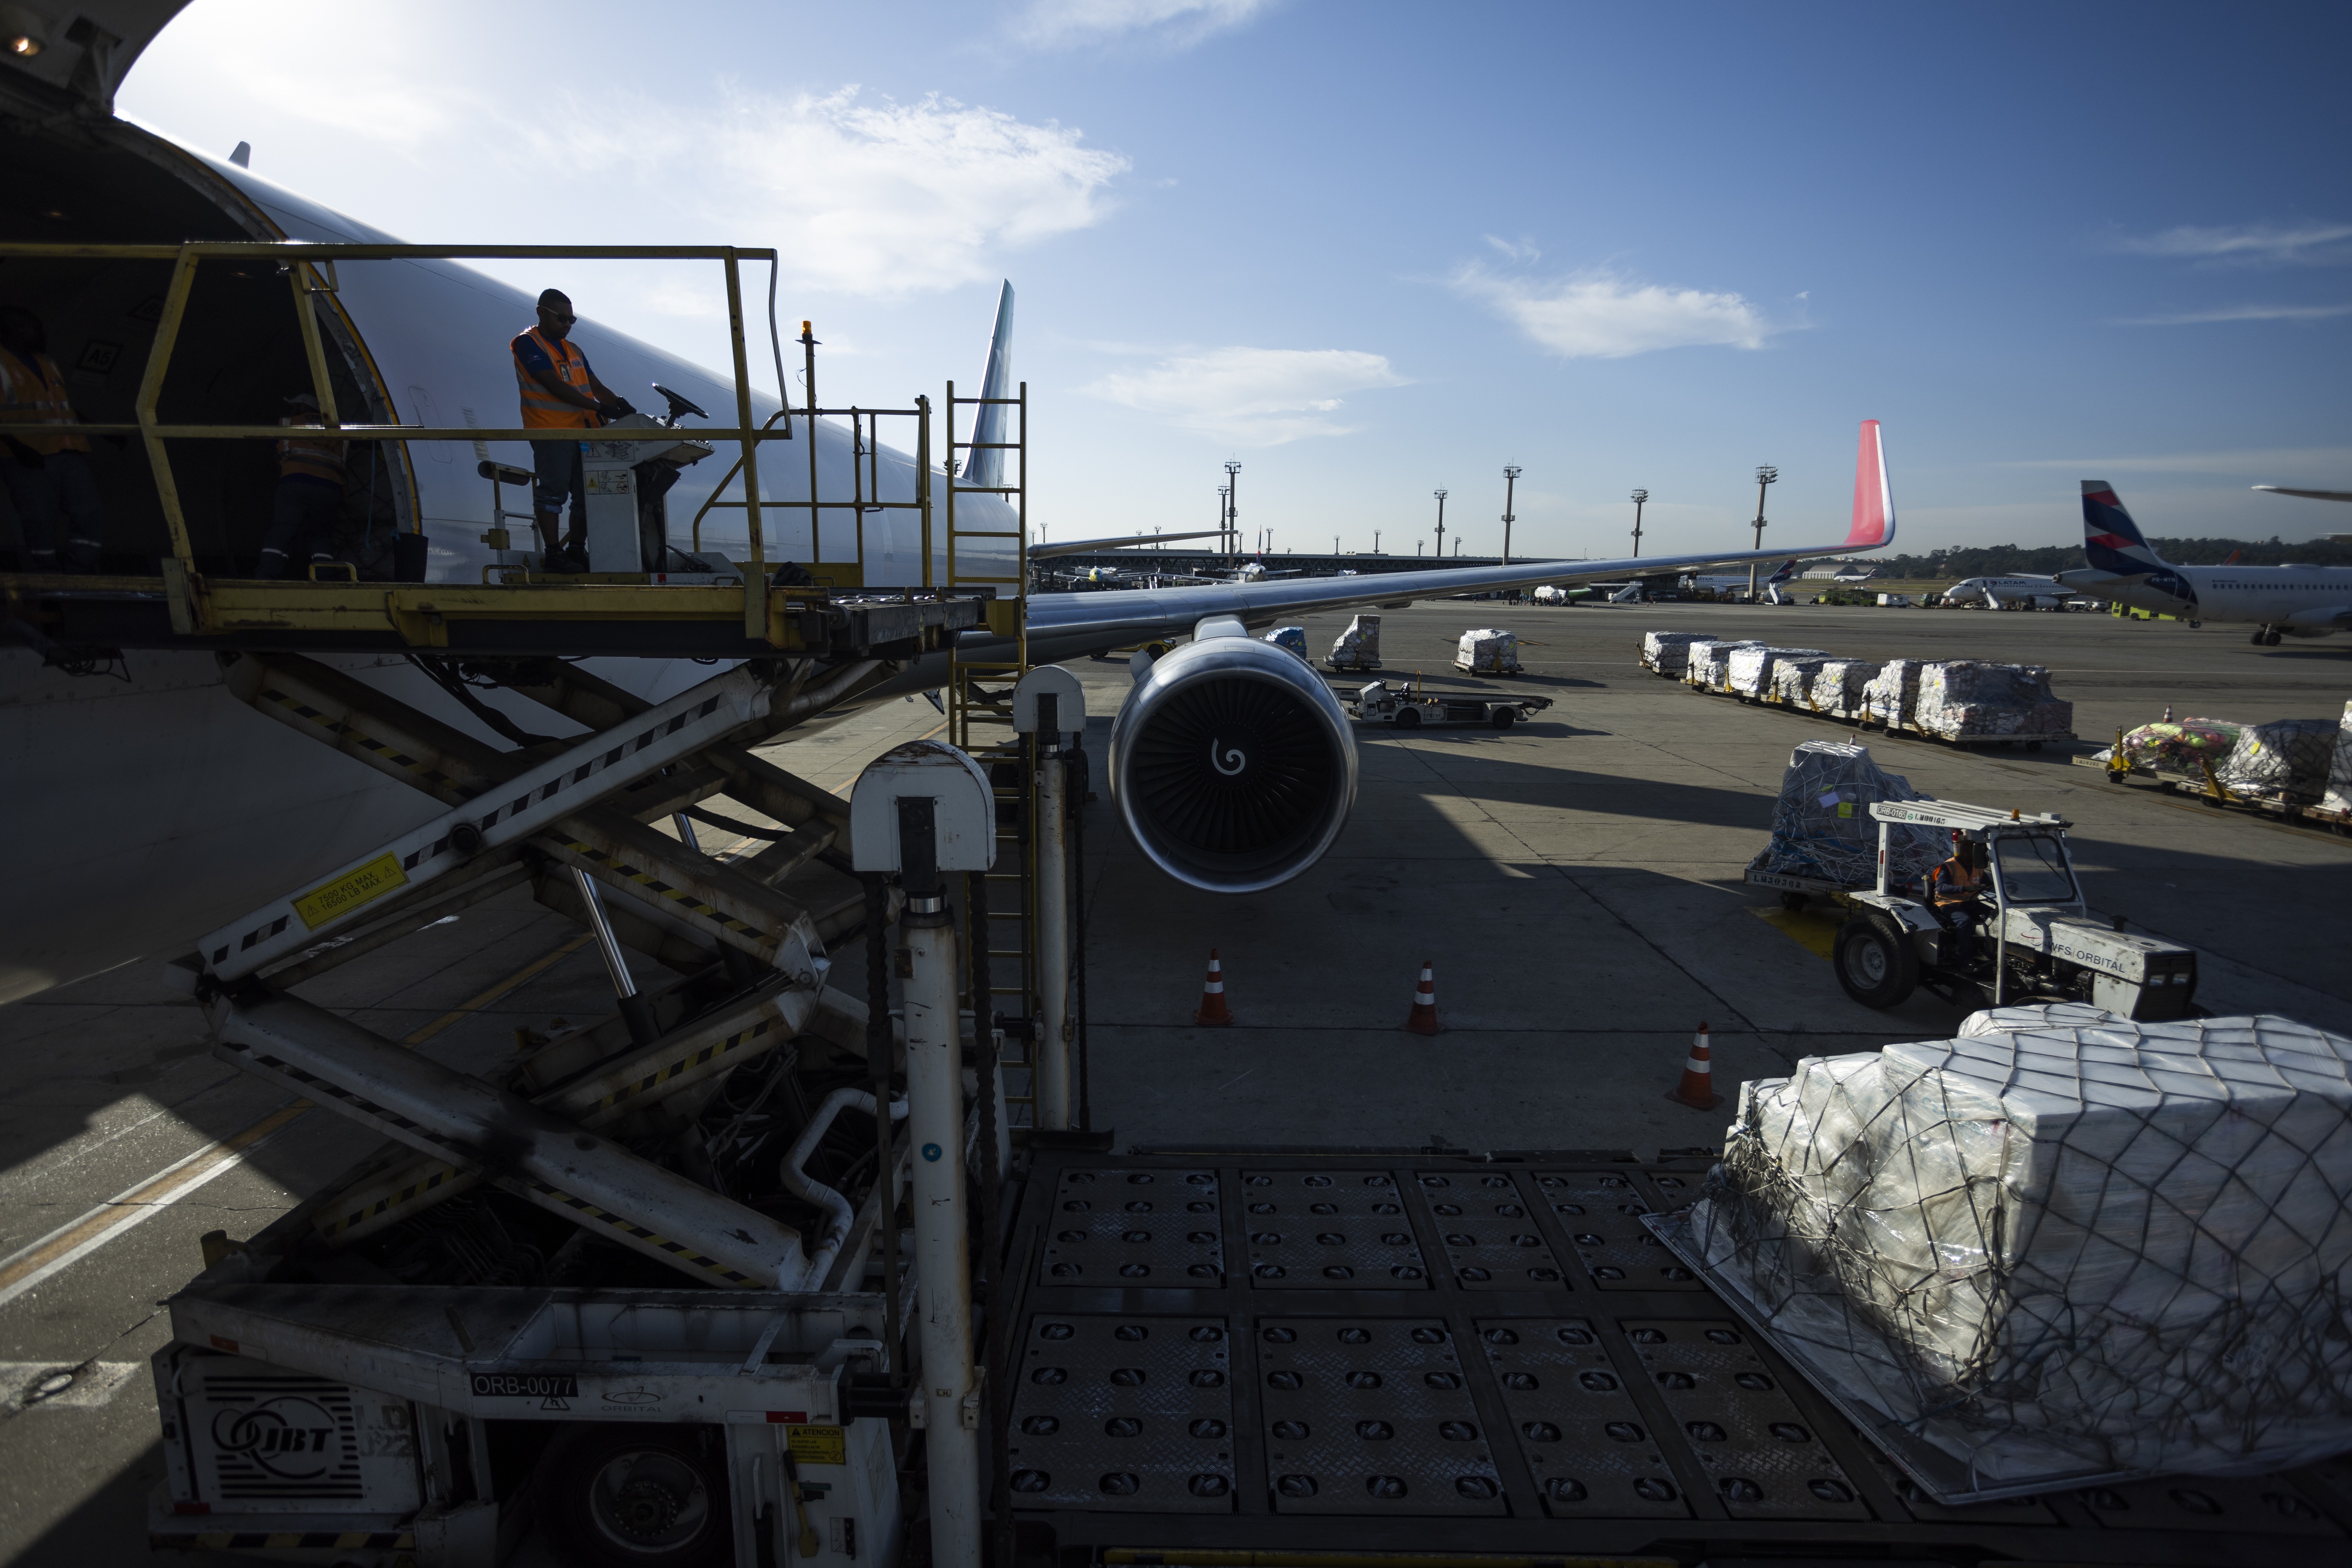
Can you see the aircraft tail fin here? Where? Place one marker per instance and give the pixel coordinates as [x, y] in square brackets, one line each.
[1874, 497]
[986, 467]
[1788, 570]
[2112, 542]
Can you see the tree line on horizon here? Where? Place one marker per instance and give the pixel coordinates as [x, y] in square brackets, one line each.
[1958, 561]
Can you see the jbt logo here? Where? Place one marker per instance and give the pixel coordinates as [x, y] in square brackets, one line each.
[287, 1437]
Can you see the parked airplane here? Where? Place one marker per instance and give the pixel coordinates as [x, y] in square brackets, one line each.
[2026, 591]
[2293, 600]
[166, 805]
[1770, 589]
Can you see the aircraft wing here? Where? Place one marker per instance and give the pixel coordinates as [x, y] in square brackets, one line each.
[2313, 495]
[1067, 625]
[1088, 546]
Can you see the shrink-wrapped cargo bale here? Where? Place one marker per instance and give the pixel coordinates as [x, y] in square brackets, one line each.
[1961, 697]
[1489, 651]
[2060, 1247]
[1748, 671]
[1710, 663]
[1792, 680]
[2288, 760]
[2181, 747]
[1358, 648]
[1822, 825]
[2338, 798]
[1668, 653]
[1837, 687]
[1888, 699]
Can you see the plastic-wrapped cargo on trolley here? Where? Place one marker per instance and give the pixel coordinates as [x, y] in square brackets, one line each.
[1668, 653]
[1889, 698]
[1964, 699]
[1710, 663]
[1837, 687]
[1748, 671]
[2290, 759]
[1822, 827]
[2339, 798]
[2060, 1249]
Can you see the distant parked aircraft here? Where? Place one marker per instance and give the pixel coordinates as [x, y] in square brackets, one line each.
[2293, 600]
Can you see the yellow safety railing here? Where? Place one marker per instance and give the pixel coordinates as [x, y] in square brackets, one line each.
[310, 271]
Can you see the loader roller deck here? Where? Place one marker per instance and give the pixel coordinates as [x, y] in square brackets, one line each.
[1362, 1353]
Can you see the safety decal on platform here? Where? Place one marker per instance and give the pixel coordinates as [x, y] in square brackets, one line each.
[818, 1445]
[350, 890]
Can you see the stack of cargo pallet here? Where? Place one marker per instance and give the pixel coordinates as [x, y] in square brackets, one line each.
[2295, 768]
[1966, 702]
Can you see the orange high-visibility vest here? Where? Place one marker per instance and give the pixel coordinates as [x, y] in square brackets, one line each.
[541, 410]
[310, 457]
[34, 394]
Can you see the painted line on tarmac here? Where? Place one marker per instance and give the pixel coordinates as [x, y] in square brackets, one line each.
[77, 1238]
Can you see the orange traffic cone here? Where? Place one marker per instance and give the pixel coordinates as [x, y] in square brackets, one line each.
[1213, 995]
[1697, 1086]
[1422, 1019]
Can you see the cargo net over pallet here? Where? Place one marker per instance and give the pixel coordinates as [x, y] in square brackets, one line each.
[2059, 1249]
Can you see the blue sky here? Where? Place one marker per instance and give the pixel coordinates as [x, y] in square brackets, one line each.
[1369, 250]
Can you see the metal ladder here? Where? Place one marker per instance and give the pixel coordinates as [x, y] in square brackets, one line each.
[980, 721]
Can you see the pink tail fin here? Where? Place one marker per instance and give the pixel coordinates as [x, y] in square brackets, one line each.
[1873, 498]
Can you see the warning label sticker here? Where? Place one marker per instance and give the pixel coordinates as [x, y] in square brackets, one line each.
[350, 890]
[818, 1446]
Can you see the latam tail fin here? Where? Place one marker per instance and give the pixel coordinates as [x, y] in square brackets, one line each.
[986, 468]
[1788, 570]
[2112, 542]
[1874, 497]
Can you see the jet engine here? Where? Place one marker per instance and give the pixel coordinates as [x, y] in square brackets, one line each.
[1232, 764]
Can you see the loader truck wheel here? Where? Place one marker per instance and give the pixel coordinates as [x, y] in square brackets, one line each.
[1408, 719]
[635, 1496]
[1504, 718]
[1875, 964]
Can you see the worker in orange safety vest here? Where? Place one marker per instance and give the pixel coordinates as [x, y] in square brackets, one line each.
[312, 483]
[45, 469]
[560, 393]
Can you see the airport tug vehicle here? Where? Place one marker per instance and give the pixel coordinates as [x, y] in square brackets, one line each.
[1377, 702]
[2030, 938]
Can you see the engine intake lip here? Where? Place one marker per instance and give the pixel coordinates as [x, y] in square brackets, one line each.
[1231, 765]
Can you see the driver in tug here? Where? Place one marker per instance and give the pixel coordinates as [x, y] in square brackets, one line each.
[1956, 890]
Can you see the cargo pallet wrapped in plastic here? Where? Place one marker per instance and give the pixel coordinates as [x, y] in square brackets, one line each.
[2059, 1249]
[1963, 698]
[1489, 651]
[2337, 801]
[1837, 687]
[1710, 662]
[1668, 653]
[2181, 747]
[1822, 825]
[1792, 680]
[1358, 648]
[1889, 698]
[1748, 672]
[2287, 761]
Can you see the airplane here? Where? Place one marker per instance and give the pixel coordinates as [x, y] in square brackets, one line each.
[165, 806]
[1727, 582]
[2309, 495]
[2026, 591]
[2297, 601]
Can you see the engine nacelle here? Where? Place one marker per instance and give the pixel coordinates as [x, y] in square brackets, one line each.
[1232, 764]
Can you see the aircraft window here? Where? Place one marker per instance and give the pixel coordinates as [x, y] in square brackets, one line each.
[2033, 869]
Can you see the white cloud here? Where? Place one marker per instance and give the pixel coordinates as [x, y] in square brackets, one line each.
[2310, 242]
[1597, 314]
[1178, 24]
[1520, 250]
[1252, 397]
[2242, 313]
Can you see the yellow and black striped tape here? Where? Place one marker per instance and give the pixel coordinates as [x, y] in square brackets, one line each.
[283, 1541]
[408, 1194]
[679, 896]
[341, 728]
[676, 1249]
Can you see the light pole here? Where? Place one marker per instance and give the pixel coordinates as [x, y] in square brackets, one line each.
[1510, 484]
[1765, 474]
[1222, 493]
[1232, 511]
[1376, 542]
[1639, 496]
[1440, 522]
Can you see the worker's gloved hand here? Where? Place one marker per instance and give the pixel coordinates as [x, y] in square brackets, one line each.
[616, 408]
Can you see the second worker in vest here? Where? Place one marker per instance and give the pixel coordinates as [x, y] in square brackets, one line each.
[560, 393]
[45, 468]
[308, 509]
